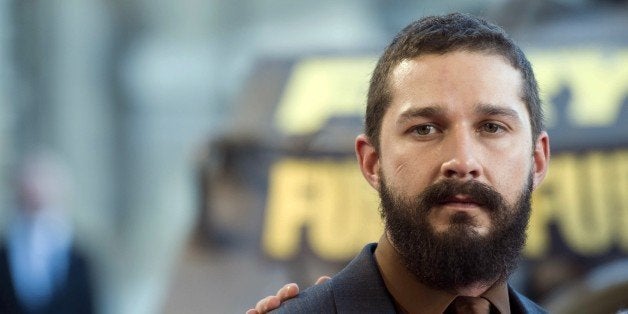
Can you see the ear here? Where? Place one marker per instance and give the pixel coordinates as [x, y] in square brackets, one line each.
[541, 157]
[368, 159]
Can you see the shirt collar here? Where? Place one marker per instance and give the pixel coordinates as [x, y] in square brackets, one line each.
[415, 297]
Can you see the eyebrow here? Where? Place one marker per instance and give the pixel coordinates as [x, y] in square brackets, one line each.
[492, 110]
[423, 112]
[433, 111]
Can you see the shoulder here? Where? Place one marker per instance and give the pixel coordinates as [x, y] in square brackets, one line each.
[358, 288]
[524, 304]
[78, 259]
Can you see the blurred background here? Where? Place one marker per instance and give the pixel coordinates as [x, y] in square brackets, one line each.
[193, 156]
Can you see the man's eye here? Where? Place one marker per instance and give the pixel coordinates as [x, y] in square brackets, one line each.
[491, 127]
[424, 129]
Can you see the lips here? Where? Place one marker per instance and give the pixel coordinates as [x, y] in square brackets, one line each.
[461, 199]
[461, 195]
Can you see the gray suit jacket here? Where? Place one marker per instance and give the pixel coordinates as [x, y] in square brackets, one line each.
[359, 288]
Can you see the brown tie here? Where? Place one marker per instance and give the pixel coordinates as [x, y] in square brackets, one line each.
[471, 305]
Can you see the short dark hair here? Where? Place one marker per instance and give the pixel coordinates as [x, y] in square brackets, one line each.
[440, 35]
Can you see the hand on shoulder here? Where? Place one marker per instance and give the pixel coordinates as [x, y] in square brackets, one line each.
[287, 292]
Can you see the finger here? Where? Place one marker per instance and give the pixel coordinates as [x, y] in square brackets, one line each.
[288, 291]
[251, 311]
[322, 279]
[261, 304]
[272, 303]
[267, 304]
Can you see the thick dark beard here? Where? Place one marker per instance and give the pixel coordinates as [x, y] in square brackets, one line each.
[459, 256]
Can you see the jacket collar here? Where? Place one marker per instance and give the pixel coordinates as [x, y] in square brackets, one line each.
[359, 288]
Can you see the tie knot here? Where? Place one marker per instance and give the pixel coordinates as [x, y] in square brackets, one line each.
[475, 305]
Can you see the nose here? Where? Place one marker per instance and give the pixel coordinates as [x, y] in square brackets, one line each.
[460, 157]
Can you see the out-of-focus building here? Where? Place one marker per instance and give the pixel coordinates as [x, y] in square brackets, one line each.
[236, 119]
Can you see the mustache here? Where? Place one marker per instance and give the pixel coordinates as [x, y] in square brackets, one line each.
[446, 189]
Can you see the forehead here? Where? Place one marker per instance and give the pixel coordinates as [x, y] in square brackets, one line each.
[456, 81]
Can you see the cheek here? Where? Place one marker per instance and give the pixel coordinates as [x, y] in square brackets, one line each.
[511, 177]
[407, 173]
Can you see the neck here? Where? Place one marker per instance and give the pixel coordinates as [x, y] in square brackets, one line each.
[474, 289]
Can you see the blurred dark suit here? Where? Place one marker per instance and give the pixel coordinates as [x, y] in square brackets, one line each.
[72, 295]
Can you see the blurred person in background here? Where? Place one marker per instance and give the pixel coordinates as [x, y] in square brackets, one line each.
[41, 269]
[455, 144]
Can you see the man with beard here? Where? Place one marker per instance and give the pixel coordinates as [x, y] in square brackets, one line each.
[454, 144]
